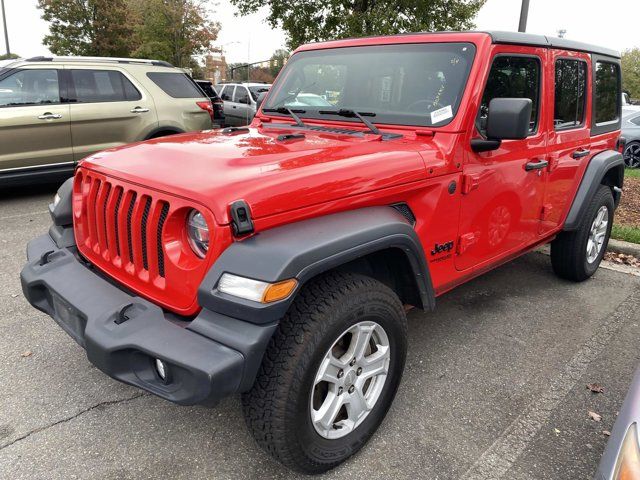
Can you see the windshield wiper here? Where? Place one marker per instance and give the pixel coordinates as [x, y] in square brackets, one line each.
[353, 114]
[288, 111]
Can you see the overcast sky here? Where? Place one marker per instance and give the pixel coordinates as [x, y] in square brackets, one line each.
[251, 38]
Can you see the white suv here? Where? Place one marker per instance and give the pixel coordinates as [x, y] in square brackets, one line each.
[240, 101]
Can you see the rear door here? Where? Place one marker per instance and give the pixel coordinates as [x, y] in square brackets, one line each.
[34, 119]
[108, 109]
[230, 114]
[241, 105]
[569, 149]
[500, 209]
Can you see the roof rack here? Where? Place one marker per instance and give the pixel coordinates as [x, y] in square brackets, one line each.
[140, 61]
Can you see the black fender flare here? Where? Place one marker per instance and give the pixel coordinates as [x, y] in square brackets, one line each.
[307, 248]
[604, 168]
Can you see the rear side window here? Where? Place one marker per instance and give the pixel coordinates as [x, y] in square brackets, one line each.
[570, 93]
[512, 77]
[96, 86]
[176, 85]
[30, 87]
[241, 95]
[227, 93]
[607, 92]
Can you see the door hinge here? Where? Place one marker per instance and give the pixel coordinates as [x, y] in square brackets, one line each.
[469, 183]
[467, 240]
[546, 211]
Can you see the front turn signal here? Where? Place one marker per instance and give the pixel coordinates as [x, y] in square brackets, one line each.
[279, 291]
[628, 464]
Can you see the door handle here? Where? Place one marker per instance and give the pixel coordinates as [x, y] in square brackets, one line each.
[50, 116]
[580, 154]
[139, 110]
[537, 165]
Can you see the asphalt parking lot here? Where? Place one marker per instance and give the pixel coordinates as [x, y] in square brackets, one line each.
[495, 386]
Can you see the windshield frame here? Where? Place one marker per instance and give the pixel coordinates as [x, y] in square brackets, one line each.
[411, 120]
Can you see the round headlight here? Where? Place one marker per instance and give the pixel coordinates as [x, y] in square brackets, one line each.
[198, 233]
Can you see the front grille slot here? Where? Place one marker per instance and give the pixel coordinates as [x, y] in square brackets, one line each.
[124, 227]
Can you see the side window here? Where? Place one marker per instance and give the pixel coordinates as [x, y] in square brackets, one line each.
[30, 87]
[512, 77]
[176, 85]
[636, 121]
[241, 95]
[607, 92]
[97, 86]
[227, 92]
[570, 93]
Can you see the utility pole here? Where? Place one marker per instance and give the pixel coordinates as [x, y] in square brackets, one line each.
[6, 32]
[524, 14]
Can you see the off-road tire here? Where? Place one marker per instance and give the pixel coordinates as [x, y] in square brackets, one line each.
[276, 410]
[569, 249]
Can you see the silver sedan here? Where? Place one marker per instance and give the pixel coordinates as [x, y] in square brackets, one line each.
[631, 132]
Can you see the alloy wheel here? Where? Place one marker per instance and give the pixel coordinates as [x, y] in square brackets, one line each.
[632, 155]
[597, 234]
[350, 379]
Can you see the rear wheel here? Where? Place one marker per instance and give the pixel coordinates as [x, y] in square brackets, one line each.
[577, 255]
[632, 155]
[330, 372]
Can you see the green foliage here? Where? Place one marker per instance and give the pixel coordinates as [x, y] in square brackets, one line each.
[632, 173]
[628, 234]
[631, 72]
[9, 56]
[317, 20]
[172, 30]
[87, 27]
[277, 61]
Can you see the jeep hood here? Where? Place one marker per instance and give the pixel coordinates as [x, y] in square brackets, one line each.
[272, 175]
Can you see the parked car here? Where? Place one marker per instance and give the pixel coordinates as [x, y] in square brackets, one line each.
[621, 458]
[56, 111]
[240, 101]
[216, 101]
[631, 133]
[276, 260]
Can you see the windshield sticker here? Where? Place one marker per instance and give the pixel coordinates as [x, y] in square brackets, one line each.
[441, 114]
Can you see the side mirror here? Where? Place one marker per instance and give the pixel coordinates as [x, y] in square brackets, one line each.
[508, 119]
[261, 98]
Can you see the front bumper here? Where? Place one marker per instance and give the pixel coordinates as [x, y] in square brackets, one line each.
[209, 358]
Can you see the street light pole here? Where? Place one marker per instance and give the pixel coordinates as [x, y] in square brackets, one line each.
[6, 32]
[524, 14]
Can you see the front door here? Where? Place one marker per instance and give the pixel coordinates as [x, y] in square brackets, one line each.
[502, 194]
[34, 121]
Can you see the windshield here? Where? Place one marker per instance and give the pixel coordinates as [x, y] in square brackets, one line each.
[410, 84]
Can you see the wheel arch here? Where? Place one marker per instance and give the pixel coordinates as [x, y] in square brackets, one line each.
[605, 168]
[163, 131]
[375, 241]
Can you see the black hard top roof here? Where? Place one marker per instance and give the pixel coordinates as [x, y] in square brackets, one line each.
[515, 38]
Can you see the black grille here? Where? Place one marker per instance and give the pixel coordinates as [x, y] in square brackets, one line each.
[145, 220]
[104, 213]
[406, 212]
[115, 216]
[163, 218]
[129, 216]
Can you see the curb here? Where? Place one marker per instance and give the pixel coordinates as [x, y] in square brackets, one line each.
[618, 246]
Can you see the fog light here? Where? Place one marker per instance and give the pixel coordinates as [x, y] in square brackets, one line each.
[162, 370]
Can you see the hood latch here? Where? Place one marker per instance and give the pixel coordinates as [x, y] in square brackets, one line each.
[241, 218]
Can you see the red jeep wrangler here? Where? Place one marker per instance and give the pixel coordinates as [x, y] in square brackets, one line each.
[278, 260]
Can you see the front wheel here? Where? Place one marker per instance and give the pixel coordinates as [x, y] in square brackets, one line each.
[330, 373]
[632, 155]
[577, 255]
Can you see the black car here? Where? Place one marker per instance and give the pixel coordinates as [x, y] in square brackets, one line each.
[218, 104]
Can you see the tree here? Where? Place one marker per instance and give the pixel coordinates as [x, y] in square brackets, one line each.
[277, 61]
[317, 20]
[172, 30]
[87, 27]
[9, 56]
[631, 72]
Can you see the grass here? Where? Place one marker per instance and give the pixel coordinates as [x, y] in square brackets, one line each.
[628, 234]
[632, 172]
